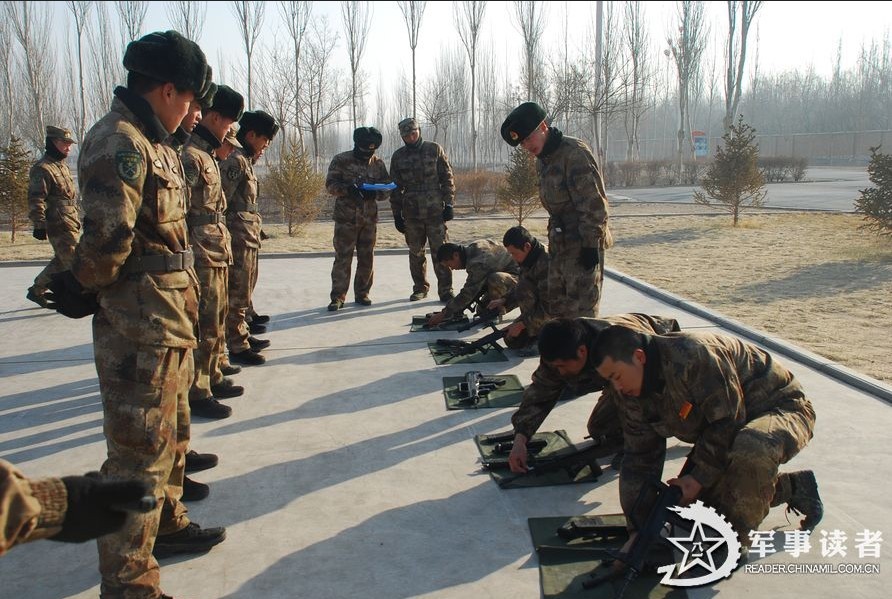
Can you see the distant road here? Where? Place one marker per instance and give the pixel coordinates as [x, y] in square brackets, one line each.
[824, 188]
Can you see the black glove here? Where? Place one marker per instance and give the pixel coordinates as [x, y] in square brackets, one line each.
[97, 507]
[588, 258]
[67, 297]
[355, 193]
[398, 222]
[263, 235]
[39, 234]
[448, 212]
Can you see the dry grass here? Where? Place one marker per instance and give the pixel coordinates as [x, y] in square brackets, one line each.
[816, 280]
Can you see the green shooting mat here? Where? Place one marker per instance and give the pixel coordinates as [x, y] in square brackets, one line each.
[451, 325]
[565, 564]
[506, 395]
[499, 471]
[442, 356]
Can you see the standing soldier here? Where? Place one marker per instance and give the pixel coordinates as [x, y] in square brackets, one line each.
[52, 202]
[572, 191]
[256, 130]
[421, 204]
[133, 268]
[210, 242]
[355, 215]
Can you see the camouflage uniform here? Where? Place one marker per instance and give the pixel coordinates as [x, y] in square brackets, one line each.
[540, 397]
[244, 223]
[744, 413]
[356, 221]
[425, 186]
[135, 253]
[572, 191]
[52, 202]
[487, 264]
[29, 509]
[531, 295]
[211, 245]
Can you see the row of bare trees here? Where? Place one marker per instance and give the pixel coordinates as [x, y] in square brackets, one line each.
[638, 85]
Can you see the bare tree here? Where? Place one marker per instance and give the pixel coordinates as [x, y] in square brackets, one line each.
[322, 94]
[530, 19]
[687, 45]
[105, 58]
[443, 95]
[413, 11]
[132, 14]
[636, 43]
[357, 18]
[80, 11]
[468, 22]
[31, 26]
[250, 20]
[736, 54]
[7, 68]
[187, 17]
[296, 16]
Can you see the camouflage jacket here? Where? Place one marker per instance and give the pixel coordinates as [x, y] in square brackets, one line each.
[572, 191]
[52, 196]
[540, 397]
[531, 293]
[210, 240]
[482, 258]
[241, 191]
[29, 509]
[134, 206]
[701, 388]
[344, 172]
[424, 181]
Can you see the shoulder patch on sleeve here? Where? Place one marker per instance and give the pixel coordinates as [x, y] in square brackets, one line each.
[233, 172]
[190, 172]
[129, 166]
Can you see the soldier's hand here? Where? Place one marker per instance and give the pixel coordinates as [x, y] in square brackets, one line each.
[515, 329]
[39, 234]
[588, 258]
[448, 212]
[517, 459]
[398, 222]
[97, 507]
[67, 296]
[690, 488]
[263, 235]
[436, 318]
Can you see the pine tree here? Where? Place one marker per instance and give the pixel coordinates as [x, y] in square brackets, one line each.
[875, 203]
[15, 167]
[295, 187]
[520, 190]
[734, 180]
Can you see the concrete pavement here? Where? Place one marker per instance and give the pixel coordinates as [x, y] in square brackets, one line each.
[342, 474]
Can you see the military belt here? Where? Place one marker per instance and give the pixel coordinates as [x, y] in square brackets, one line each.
[161, 262]
[248, 207]
[205, 219]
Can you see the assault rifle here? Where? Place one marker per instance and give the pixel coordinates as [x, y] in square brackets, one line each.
[649, 533]
[455, 348]
[475, 386]
[570, 459]
[487, 318]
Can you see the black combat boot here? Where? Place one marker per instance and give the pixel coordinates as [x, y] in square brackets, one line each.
[209, 407]
[194, 490]
[196, 462]
[805, 500]
[192, 539]
[225, 389]
[248, 357]
[258, 345]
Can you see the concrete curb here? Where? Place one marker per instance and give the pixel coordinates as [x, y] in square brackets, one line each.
[832, 369]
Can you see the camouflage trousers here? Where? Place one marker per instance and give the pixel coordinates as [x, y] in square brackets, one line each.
[605, 420]
[242, 278]
[500, 285]
[64, 241]
[750, 484]
[213, 305]
[433, 232]
[146, 423]
[348, 237]
[572, 290]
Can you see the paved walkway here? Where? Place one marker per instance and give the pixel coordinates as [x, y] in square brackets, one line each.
[343, 475]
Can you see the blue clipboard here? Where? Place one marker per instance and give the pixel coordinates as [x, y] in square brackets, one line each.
[377, 186]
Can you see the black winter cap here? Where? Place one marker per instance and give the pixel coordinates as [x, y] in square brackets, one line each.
[167, 56]
[522, 121]
[367, 138]
[259, 122]
[228, 102]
